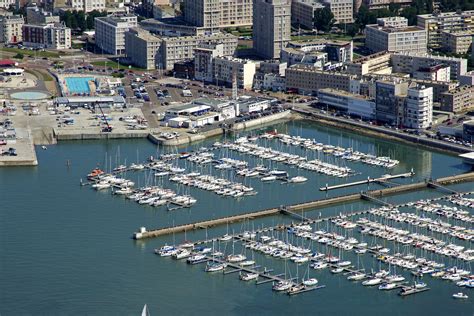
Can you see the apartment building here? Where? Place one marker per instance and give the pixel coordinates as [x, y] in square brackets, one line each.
[337, 51]
[418, 108]
[225, 68]
[294, 56]
[87, 5]
[52, 35]
[458, 100]
[389, 100]
[394, 35]
[35, 15]
[456, 42]
[384, 4]
[435, 73]
[343, 10]
[10, 28]
[302, 12]
[204, 56]
[176, 49]
[271, 27]
[378, 63]
[411, 62]
[309, 79]
[436, 23]
[7, 3]
[215, 14]
[110, 32]
[141, 47]
[353, 104]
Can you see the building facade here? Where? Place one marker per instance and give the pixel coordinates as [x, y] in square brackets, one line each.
[389, 95]
[342, 10]
[53, 35]
[271, 27]
[411, 62]
[378, 63]
[110, 32]
[227, 68]
[418, 110]
[456, 42]
[87, 5]
[458, 100]
[11, 28]
[215, 14]
[35, 15]
[394, 35]
[353, 104]
[436, 23]
[302, 12]
[141, 47]
[204, 56]
[309, 79]
[434, 73]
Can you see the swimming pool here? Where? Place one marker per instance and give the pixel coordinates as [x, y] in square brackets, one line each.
[78, 85]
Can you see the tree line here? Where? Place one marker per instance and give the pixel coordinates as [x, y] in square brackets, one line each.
[79, 21]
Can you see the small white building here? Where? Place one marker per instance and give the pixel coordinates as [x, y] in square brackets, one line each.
[418, 112]
[10, 72]
[248, 104]
[353, 104]
[274, 82]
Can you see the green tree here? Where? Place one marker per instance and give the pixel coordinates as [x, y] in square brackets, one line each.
[323, 19]
[19, 56]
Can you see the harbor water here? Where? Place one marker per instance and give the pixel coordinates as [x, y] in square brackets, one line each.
[66, 249]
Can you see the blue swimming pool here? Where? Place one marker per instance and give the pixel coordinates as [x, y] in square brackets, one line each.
[78, 85]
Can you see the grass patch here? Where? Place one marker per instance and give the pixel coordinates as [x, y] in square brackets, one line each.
[114, 65]
[31, 53]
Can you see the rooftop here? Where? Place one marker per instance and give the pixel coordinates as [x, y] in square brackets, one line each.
[390, 29]
[344, 93]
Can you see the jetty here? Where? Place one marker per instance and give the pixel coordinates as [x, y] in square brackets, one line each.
[383, 179]
[293, 209]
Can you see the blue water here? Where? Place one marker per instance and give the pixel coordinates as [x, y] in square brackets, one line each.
[66, 249]
[78, 85]
[29, 95]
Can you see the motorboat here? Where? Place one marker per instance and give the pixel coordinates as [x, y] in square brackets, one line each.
[195, 258]
[269, 178]
[297, 179]
[226, 237]
[356, 276]
[247, 263]
[371, 282]
[310, 282]
[236, 258]
[248, 276]
[337, 270]
[387, 286]
[282, 286]
[214, 267]
[181, 254]
[460, 296]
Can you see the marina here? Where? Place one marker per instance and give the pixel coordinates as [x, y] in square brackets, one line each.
[233, 227]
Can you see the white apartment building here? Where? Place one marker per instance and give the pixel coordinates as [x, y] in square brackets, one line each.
[141, 47]
[434, 73]
[10, 28]
[87, 5]
[271, 27]
[411, 62]
[418, 110]
[215, 14]
[436, 23]
[226, 68]
[110, 32]
[309, 79]
[457, 42]
[52, 35]
[393, 35]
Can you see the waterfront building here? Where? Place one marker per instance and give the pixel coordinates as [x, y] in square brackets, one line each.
[110, 32]
[389, 100]
[460, 99]
[353, 104]
[35, 15]
[309, 79]
[394, 35]
[271, 27]
[418, 110]
[378, 63]
[10, 28]
[91, 101]
[456, 42]
[52, 35]
[411, 62]
[215, 14]
[250, 104]
[438, 22]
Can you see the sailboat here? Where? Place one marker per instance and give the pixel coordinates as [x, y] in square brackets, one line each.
[310, 281]
[145, 311]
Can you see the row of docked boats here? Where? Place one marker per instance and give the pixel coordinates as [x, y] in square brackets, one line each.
[214, 184]
[337, 151]
[158, 196]
[287, 158]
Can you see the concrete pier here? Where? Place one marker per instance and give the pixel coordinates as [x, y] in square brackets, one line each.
[303, 206]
